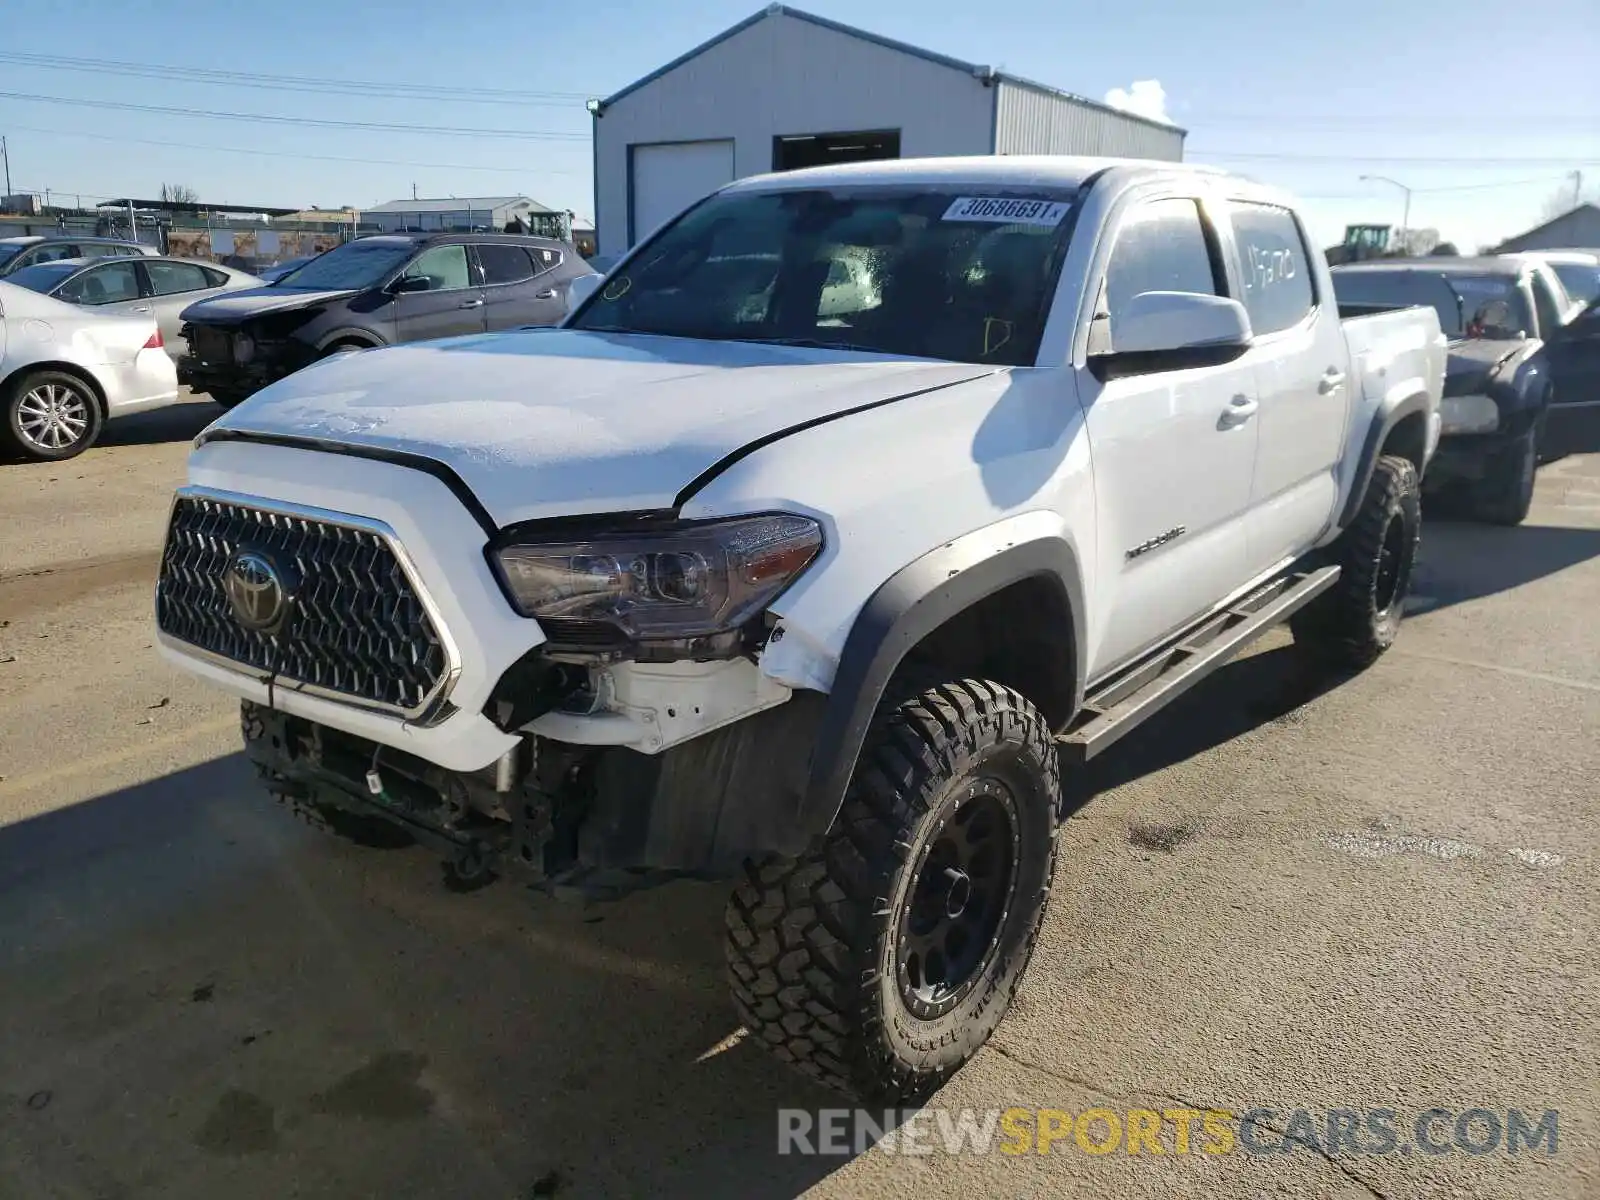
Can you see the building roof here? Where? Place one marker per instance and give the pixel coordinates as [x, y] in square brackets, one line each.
[453, 204]
[1552, 222]
[955, 64]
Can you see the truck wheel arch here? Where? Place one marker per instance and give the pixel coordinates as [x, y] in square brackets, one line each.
[933, 594]
[1399, 428]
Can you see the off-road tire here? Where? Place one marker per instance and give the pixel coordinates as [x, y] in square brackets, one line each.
[1505, 494]
[813, 942]
[372, 832]
[1358, 618]
[14, 443]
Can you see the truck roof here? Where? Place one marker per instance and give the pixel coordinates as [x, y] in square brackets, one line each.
[1067, 172]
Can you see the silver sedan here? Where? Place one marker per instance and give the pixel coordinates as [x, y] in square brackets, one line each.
[160, 286]
[65, 370]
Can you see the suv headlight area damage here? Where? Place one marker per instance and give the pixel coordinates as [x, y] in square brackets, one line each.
[681, 591]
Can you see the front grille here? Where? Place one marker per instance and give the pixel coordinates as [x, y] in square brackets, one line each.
[210, 345]
[354, 626]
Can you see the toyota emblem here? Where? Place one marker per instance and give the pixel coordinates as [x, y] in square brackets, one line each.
[257, 591]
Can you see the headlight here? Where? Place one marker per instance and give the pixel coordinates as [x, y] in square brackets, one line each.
[1469, 414]
[691, 581]
[244, 347]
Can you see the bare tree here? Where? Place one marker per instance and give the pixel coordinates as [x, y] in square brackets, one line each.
[178, 193]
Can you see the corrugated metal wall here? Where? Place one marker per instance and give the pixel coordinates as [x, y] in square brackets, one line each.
[1035, 120]
[786, 76]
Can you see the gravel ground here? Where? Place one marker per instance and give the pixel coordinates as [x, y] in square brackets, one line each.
[1281, 893]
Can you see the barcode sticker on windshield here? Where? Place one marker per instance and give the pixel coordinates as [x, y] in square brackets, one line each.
[1002, 211]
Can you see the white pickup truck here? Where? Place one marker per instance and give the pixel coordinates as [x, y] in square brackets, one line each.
[813, 576]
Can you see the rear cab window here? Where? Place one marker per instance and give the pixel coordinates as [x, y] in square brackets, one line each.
[1274, 266]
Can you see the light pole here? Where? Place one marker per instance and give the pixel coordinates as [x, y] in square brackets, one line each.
[1405, 218]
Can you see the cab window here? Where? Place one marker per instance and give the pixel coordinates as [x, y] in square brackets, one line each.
[1547, 308]
[1161, 247]
[444, 267]
[1272, 266]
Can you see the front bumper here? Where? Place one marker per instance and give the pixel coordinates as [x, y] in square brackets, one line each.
[205, 376]
[446, 549]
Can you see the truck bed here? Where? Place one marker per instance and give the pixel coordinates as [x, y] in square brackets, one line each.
[1394, 350]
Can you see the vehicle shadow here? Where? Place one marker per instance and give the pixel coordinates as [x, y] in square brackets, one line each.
[1461, 561]
[1249, 692]
[204, 998]
[179, 422]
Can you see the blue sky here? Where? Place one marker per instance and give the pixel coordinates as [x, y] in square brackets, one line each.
[1483, 108]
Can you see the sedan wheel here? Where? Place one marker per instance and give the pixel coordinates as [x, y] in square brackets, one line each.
[51, 416]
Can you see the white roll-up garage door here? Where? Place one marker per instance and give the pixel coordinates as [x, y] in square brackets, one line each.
[669, 177]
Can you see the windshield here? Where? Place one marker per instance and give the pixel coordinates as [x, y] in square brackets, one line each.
[43, 277]
[353, 265]
[1469, 306]
[1581, 280]
[7, 253]
[930, 273]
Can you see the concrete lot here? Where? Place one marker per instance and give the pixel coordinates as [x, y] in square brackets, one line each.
[1283, 893]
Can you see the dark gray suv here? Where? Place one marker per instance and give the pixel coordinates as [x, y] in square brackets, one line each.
[375, 291]
[29, 251]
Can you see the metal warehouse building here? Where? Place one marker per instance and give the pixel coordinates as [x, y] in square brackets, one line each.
[786, 89]
[455, 212]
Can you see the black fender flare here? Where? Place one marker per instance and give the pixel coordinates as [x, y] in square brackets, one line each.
[1383, 423]
[911, 604]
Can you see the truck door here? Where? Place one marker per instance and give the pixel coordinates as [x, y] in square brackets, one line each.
[1173, 450]
[437, 296]
[1302, 369]
[1572, 422]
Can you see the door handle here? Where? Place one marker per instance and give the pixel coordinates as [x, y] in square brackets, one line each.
[471, 304]
[1331, 379]
[547, 294]
[1240, 409]
[140, 308]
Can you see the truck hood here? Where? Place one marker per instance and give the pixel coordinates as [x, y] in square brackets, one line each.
[1474, 362]
[238, 307]
[557, 422]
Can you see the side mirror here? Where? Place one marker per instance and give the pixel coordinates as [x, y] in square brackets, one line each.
[580, 289]
[1169, 331]
[409, 283]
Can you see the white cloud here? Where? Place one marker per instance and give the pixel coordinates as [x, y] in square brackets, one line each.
[1145, 98]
